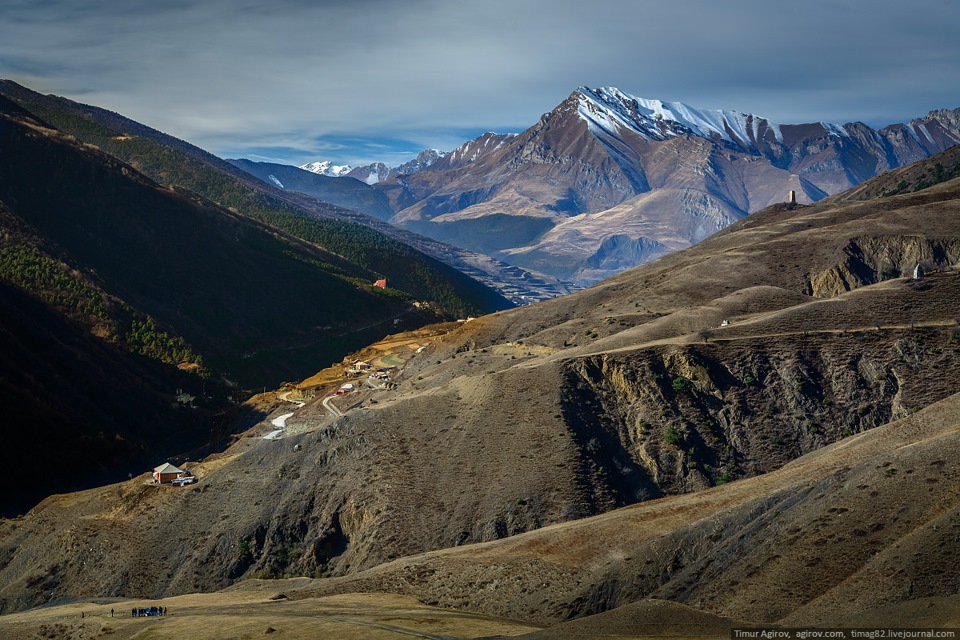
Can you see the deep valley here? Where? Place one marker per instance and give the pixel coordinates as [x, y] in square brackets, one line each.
[757, 429]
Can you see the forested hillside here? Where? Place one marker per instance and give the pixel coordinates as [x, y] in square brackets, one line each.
[175, 163]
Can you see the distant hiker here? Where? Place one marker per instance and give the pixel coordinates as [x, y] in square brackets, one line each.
[133, 613]
[111, 613]
[164, 611]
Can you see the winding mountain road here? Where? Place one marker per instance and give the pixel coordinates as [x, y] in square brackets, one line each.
[336, 413]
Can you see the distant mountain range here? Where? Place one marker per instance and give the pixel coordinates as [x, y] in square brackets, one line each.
[376, 172]
[343, 191]
[606, 180]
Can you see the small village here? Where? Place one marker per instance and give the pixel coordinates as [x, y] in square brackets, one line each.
[374, 369]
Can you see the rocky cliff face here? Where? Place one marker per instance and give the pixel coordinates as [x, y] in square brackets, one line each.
[872, 259]
[677, 420]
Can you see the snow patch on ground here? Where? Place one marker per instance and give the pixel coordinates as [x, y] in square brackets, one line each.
[280, 422]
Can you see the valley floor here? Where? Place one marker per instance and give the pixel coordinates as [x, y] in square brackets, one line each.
[260, 608]
[246, 614]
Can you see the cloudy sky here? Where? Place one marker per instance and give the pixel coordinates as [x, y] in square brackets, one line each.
[359, 80]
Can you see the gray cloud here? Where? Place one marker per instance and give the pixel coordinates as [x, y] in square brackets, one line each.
[294, 79]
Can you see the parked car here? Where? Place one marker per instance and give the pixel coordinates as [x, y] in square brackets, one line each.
[182, 480]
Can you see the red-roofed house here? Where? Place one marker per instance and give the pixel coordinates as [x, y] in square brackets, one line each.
[166, 473]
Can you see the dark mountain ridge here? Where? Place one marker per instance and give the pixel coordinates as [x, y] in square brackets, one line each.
[86, 412]
[221, 279]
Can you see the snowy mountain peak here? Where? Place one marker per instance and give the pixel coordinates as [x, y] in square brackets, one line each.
[377, 171]
[423, 160]
[608, 109]
[327, 168]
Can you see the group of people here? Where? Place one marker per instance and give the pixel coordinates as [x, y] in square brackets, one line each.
[145, 612]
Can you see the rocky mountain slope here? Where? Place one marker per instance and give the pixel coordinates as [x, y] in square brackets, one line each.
[606, 181]
[716, 366]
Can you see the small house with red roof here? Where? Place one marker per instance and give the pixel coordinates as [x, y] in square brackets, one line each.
[167, 473]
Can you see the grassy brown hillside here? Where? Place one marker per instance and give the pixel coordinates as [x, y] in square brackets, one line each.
[769, 465]
[842, 534]
[857, 534]
[909, 179]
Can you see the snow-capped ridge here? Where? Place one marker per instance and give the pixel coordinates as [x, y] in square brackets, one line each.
[327, 168]
[608, 110]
